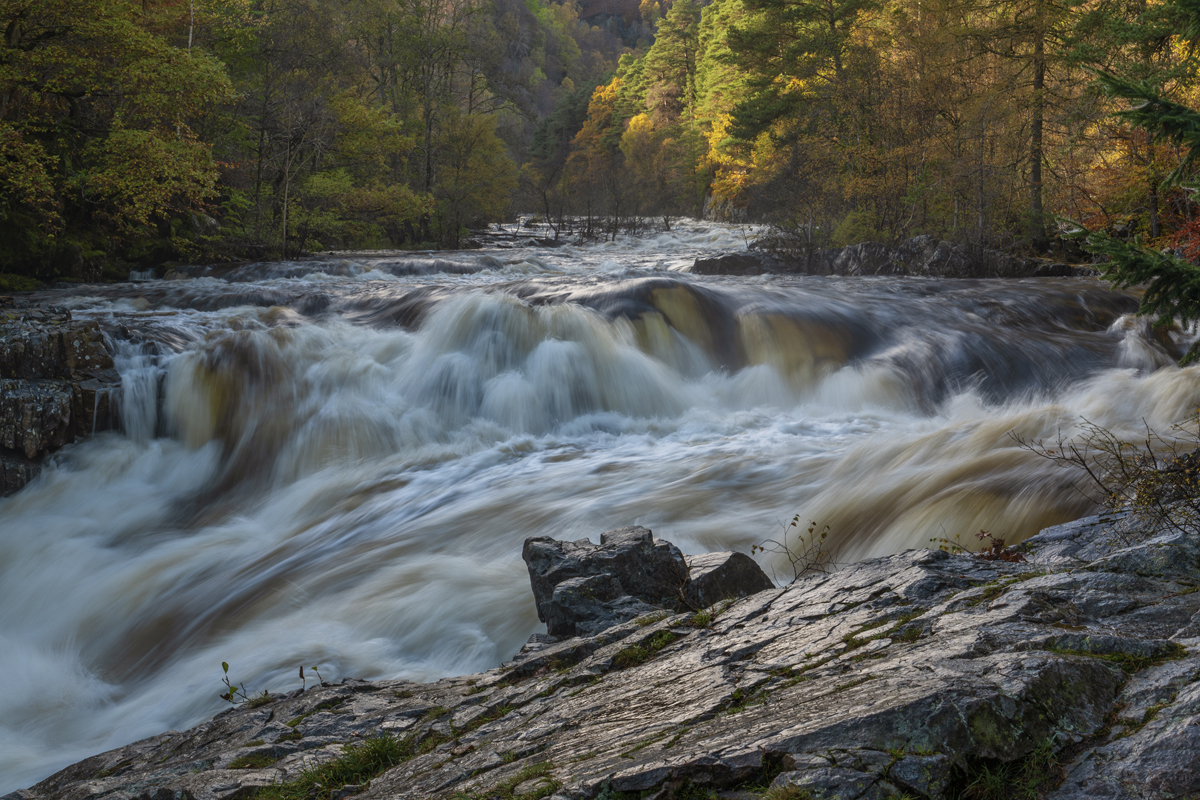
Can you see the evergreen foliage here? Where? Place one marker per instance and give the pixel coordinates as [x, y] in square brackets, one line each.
[1172, 285]
[1162, 118]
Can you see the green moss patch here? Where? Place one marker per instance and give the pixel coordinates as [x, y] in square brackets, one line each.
[641, 653]
[358, 764]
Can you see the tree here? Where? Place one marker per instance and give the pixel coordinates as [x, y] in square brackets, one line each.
[97, 149]
[671, 65]
[1172, 284]
[475, 176]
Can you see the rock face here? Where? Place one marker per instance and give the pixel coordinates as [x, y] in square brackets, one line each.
[921, 255]
[57, 384]
[1074, 674]
[581, 588]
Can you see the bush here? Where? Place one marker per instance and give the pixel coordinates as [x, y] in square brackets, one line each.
[1157, 478]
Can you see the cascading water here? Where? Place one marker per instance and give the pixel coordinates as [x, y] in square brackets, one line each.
[335, 463]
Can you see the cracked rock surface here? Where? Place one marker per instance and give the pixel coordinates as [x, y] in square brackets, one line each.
[900, 676]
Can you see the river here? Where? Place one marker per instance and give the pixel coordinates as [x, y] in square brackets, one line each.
[334, 463]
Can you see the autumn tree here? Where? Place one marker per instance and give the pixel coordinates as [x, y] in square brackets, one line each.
[98, 155]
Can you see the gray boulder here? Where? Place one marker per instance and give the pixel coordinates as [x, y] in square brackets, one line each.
[713, 577]
[57, 385]
[581, 589]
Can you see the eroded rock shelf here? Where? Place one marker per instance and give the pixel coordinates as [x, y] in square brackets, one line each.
[57, 385]
[1075, 672]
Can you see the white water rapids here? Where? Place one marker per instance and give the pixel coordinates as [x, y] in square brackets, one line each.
[334, 463]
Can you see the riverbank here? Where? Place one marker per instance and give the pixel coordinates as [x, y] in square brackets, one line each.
[1072, 673]
[921, 256]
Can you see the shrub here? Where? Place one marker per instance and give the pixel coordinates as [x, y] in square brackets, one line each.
[1157, 478]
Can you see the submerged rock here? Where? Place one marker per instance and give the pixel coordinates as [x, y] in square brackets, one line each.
[1075, 674]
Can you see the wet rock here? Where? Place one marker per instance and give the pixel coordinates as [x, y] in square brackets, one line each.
[743, 263]
[35, 416]
[900, 675]
[922, 255]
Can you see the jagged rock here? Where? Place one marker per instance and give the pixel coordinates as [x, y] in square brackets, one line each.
[35, 416]
[743, 263]
[581, 588]
[57, 384]
[906, 674]
[713, 577]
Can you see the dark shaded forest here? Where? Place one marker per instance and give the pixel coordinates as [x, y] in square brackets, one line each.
[145, 132]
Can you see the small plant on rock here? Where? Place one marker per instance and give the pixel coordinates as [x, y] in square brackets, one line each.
[232, 693]
[994, 548]
[238, 694]
[806, 552]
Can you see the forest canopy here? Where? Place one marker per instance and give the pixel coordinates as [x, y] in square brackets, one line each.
[141, 132]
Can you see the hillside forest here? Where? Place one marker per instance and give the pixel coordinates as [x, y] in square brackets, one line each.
[144, 132]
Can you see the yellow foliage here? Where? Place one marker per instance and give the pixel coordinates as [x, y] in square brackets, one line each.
[732, 162]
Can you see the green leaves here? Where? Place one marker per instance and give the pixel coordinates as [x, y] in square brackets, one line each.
[1172, 284]
[95, 132]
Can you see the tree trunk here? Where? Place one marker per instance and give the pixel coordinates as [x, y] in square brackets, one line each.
[1037, 219]
[1154, 207]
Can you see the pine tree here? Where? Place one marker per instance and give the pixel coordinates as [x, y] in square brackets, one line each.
[1172, 283]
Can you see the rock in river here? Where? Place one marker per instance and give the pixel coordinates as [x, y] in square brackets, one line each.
[581, 588]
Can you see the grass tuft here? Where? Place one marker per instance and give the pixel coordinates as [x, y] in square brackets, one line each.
[254, 761]
[641, 653]
[1129, 663]
[649, 619]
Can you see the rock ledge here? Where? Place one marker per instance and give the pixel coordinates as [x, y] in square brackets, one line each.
[899, 676]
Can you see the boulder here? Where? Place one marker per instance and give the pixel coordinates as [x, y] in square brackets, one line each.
[57, 385]
[581, 589]
[713, 577]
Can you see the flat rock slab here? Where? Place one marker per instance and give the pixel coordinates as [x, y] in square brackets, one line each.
[905, 675]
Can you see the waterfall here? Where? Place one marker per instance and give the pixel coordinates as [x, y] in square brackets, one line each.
[335, 463]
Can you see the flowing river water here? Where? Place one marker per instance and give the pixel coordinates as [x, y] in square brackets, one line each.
[334, 463]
